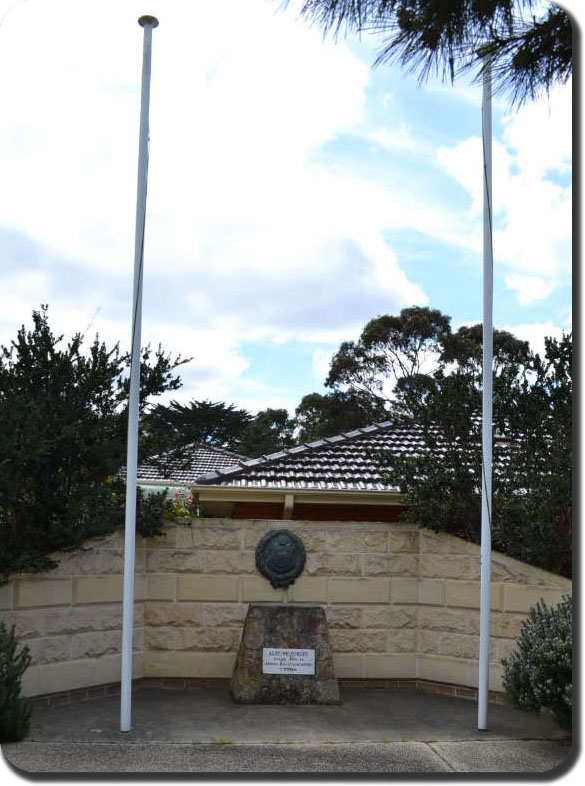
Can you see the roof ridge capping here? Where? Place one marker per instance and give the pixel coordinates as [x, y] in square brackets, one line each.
[304, 447]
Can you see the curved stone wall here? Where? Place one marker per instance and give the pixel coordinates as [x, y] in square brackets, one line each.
[400, 603]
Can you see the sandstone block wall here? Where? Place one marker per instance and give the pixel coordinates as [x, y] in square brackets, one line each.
[400, 603]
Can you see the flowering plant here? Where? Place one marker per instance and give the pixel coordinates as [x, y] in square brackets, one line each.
[539, 672]
[183, 503]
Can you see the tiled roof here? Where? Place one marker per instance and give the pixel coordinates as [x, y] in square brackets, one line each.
[196, 460]
[340, 463]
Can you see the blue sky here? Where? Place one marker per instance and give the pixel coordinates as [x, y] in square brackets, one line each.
[294, 192]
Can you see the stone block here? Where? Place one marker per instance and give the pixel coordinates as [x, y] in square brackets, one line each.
[430, 641]
[402, 640]
[97, 589]
[389, 617]
[58, 677]
[449, 566]
[403, 542]
[180, 614]
[460, 645]
[308, 589]
[226, 615]
[257, 588]
[432, 592]
[7, 596]
[229, 562]
[96, 645]
[284, 628]
[168, 539]
[162, 586]
[344, 616]
[506, 625]
[253, 532]
[449, 620]
[391, 565]
[188, 664]
[32, 623]
[207, 588]
[50, 649]
[42, 592]
[328, 564]
[363, 590]
[496, 678]
[348, 665]
[390, 666]
[89, 561]
[356, 542]
[109, 668]
[358, 640]
[466, 594]
[184, 538]
[443, 543]
[440, 669]
[518, 598]
[404, 590]
[198, 639]
[216, 537]
[174, 561]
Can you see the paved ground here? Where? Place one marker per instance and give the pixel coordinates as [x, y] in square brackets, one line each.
[201, 730]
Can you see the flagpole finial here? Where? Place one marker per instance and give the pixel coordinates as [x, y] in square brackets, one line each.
[150, 21]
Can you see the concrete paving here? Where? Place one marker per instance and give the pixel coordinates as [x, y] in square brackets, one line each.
[201, 730]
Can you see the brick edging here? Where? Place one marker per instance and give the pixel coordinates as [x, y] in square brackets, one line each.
[185, 683]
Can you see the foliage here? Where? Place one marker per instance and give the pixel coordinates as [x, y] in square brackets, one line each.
[532, 480]
[14, 711]
[319, 416]
[183, 503]
[171, 430]
[539, 672]
[63, 431]
[269, 431]
[423, 372]
[529, 53]
[390, 348]
[171, 427]
[151, 510]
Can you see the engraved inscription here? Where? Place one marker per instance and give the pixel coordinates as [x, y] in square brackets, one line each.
[287, 661]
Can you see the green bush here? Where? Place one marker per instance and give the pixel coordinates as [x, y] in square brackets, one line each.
[14, 711]
[539, 673]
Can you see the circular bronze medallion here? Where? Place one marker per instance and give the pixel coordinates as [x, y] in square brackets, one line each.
[280, 556]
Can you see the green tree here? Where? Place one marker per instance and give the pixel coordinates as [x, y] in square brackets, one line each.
[170, 430]
[63, 430]
[15, 711]
[176, 426]
[269, 431]
[390, 349]
[319, 416]
[531, 505]
[531, 46]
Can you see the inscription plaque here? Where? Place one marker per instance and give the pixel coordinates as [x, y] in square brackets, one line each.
[287, 661]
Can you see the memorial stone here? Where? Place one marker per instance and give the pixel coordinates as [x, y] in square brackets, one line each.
[285, 657]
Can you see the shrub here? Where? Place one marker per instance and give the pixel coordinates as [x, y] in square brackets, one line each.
[14, 711]
[539, 672]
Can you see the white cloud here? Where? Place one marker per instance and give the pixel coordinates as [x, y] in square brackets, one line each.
[248, 238]
[532, 209]
[529, 288]
[535, 333]
[321, 362]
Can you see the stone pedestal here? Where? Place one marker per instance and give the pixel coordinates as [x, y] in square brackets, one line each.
[286, 639]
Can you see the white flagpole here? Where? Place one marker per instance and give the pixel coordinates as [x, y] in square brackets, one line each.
[148, 23]
[487, 400]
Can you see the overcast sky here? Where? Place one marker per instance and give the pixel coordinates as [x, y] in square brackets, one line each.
[294, 192]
